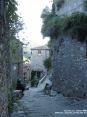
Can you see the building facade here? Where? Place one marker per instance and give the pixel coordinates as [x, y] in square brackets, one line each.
[38, 55]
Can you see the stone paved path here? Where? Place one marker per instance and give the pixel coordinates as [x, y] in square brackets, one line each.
[36, 104]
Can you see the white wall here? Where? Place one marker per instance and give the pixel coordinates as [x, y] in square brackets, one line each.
[37, 59]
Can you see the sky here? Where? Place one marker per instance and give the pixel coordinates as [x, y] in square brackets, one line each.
[30, 11]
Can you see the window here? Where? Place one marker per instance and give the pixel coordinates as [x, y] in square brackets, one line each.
[39, 52]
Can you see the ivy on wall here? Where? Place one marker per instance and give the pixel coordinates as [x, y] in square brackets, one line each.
[74, 25]
[15, 50]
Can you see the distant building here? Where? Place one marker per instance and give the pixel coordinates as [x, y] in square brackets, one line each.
[38, 55]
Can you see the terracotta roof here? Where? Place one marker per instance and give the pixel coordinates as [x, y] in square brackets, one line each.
[45, 47]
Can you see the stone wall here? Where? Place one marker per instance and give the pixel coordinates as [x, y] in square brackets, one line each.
[27, 73]
[70, 68]
[16, 61]
[69, 61]
[3, 63]
[3, 80]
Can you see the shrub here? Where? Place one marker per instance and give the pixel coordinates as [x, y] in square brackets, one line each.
[51, 26]
[47, 64]
[35, 77]
[76, 25]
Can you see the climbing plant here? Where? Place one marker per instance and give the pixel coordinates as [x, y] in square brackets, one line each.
[74, 25]
[14, 25]
[15, 50]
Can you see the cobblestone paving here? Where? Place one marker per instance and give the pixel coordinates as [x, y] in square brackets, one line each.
[36, 104]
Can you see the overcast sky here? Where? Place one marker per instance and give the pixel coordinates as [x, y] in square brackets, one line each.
[31, 10]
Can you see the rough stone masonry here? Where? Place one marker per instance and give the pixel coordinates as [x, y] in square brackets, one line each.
[69, 60]
[3, 64]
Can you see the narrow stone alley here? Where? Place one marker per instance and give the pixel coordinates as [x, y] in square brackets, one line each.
[35, 104]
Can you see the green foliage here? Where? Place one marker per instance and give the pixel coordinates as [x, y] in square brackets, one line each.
[14, 22]
[51, 25]
[35, 77]
[47, 63]
[76, 25]
[15, 49]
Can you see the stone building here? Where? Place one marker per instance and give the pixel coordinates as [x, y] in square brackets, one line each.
[69, 60]
[38, 55]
